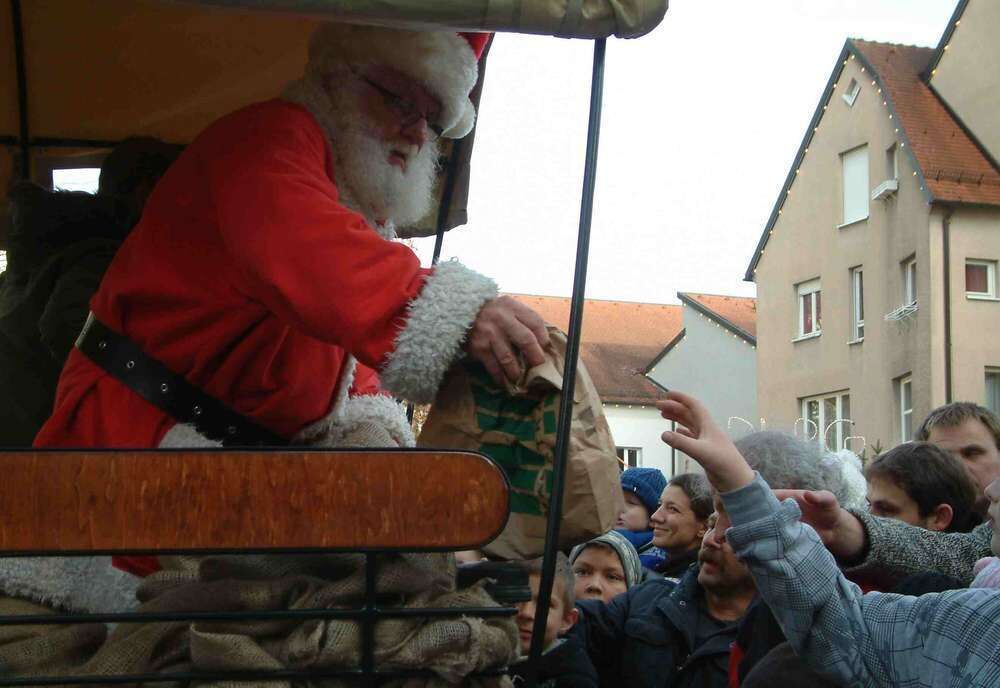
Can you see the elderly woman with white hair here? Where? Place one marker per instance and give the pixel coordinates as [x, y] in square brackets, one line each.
[798, 464]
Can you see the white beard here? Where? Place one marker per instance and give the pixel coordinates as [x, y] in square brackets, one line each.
[381, 190]
[387, 196]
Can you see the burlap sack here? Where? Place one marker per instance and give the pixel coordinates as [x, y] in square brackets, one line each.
[451, 648]
[516, 427]
[44, 650]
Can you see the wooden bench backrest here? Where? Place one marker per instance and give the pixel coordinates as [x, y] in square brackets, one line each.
[106, 501]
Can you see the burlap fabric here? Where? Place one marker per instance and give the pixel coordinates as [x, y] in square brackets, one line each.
[39, 650]
[451, 648]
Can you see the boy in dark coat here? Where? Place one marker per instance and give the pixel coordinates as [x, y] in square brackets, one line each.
[564, 662]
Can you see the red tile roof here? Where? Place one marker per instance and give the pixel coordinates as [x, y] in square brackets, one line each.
[952, 165]
[738, 311]
[619, 339]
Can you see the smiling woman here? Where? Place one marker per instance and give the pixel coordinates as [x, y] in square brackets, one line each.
[681, 521]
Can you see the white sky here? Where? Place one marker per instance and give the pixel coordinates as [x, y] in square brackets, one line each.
[77, 179]
[701, 122]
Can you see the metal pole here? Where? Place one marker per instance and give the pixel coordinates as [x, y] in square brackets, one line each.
[22, 88]
[446, 198]
[569, 372]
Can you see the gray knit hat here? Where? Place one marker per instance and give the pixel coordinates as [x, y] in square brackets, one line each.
[625, 550]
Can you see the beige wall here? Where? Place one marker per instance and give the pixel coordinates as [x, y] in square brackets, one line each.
[806, 243]
[975, 233]
[967, 75]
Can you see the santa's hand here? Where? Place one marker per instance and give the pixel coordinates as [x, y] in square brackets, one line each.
[503, 327]
[839, 529]
[700, 438]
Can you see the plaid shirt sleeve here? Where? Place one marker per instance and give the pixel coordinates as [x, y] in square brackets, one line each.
[946, 639]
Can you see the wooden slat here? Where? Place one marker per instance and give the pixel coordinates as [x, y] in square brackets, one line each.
[60, 501]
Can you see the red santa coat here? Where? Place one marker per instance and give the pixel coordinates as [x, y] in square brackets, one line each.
[247, 276]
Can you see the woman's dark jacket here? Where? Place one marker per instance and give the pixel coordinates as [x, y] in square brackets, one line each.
[676, 566]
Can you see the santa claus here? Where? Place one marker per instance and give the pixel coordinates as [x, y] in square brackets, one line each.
[261, 299]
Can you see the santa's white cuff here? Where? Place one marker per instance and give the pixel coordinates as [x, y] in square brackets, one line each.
[439, 319]
[371, 420]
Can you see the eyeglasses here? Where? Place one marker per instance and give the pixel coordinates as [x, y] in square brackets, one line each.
[407, 110]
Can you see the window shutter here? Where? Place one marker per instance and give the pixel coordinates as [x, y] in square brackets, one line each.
[855, 165]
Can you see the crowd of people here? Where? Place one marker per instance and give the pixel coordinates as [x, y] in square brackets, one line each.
[747, 590]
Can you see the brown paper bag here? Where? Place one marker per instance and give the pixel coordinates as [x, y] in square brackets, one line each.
[516, 427]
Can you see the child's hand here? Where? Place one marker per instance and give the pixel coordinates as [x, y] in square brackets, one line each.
[701, 439]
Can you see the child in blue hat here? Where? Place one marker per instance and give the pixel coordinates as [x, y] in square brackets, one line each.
[642, 488]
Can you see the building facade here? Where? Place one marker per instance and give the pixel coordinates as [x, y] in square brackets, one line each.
[877, 271]
[618, 340]
[713, 358]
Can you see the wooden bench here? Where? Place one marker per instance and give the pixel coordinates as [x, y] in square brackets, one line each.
[101, 502]
[116, 501]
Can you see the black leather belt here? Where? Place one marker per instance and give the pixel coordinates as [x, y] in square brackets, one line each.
[171, 393]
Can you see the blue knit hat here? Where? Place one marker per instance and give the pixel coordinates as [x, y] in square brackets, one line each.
[647, 484]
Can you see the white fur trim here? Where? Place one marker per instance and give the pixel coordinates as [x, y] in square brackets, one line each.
[437, 323]
[464, 125]
[184, 436]
[378, 408]
[76, 584]
[371, 420]
[379, 411]
[442, 61]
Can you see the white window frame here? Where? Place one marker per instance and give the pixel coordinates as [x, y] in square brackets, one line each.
[859, 185]
[892, 162]
[910, 281]
[629, 457]
[809, 292]
[991, 279]
[851, 94]
[905, 413]
[857, 304]
[992, 402]
[829, 433]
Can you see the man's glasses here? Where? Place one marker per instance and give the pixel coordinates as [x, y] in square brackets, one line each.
[407, 110]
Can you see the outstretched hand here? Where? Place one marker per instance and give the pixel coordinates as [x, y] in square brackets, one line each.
[839, 529]
[699, 437]
[503, 327]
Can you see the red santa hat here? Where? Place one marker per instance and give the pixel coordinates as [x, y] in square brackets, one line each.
[445, 62]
